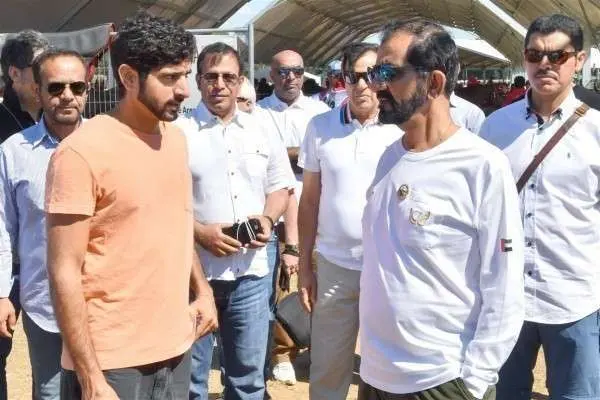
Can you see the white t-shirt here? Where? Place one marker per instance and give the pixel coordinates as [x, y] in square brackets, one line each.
[466, 114]
[442, 282]
[346, 154]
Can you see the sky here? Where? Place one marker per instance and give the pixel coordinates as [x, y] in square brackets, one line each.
[253, 8]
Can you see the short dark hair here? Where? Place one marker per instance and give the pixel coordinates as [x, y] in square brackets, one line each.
[432, 48]
[548, 24]
[353, 51]
[145, 42]
[19, 51]
[519, 81]
[51, 54]
[220, 49]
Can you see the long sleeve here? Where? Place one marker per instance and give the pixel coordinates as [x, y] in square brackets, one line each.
[500, 238]
[8, 227]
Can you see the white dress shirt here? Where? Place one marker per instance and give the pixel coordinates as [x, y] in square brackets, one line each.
[346, 154]
[291, 121]
[559, 206]
[234, 167]
[442, 283]
[24, 159]
[466, 114]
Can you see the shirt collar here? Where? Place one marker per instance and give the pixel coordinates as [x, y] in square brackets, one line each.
[204, 117]
[567, 107]
[39, 133]
[279, 105]
[346, 117]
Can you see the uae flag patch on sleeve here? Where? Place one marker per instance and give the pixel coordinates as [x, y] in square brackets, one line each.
[505, 245]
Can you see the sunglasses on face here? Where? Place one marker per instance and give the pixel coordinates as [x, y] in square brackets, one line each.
[284, 72]
[385, 73]
[229, 78]
[353, 78]
[557, 57]
[57, 88]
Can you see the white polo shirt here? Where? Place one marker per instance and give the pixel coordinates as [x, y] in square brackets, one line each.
[234, 167]
[560, 208]
[346, 155]
[291, 121]
[466, 114]
[442, 282]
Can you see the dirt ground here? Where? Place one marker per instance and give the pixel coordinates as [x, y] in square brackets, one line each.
[19, 377]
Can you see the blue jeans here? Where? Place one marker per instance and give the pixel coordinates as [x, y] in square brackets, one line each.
[572, 353]
[243, 308]
[6, 344]
[44, 353]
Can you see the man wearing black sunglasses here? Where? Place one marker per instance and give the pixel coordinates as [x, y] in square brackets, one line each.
[560, 213]
[60, 78]
[441, 291]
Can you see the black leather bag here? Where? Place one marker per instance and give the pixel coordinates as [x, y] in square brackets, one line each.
[294, 319]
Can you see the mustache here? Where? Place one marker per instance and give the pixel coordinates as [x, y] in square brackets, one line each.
[543, 73]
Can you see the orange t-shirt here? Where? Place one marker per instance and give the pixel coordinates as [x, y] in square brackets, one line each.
[136, 188]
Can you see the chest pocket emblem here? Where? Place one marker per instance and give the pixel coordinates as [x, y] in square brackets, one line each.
[403, 192]
[417, 217]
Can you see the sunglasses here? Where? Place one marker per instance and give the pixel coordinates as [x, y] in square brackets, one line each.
[385, 73]
[284, 72]
[243, 100]
[229, 78]
[557, 57]
[353, 78]
[57, 88]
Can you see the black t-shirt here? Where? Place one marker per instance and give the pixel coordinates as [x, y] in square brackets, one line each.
[12, 118]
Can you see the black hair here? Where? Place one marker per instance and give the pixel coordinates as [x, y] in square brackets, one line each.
[219, 49]
[519, 81]
[353, 51]
[18, 51]
[51, 54]
[548, 24]
[145, 43]
[432, 48]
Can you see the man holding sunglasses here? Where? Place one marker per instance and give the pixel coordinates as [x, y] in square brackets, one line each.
[441, 293]
[560, 207]
[60, 77]
[289, 111]
[339, 156]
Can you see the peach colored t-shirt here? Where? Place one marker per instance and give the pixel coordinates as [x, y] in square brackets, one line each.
[136, 188]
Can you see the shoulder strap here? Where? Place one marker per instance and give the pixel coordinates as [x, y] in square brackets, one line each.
[539, 157]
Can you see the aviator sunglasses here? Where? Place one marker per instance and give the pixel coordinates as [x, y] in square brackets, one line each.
[353, 77]
[284, 72]
[557, 57]
[57, 88]
[229, 78]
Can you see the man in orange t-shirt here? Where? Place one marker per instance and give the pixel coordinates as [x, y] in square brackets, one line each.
[121, 260]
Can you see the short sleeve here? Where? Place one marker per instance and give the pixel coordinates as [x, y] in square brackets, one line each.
[307, 159]
[70, 185]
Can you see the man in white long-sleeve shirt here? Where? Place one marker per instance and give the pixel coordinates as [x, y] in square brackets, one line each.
[441, 301]
[560, 215]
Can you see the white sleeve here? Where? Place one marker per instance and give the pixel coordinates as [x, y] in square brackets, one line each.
[500, 237]
[279, 170]
[308, 158]
[8, 228]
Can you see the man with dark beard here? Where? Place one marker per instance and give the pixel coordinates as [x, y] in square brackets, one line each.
[440, 292]
[121, 261]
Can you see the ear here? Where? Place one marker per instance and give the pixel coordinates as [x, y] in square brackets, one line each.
[129, 77]
[580, 60]
[14, 73]
[437, 82]
[272, 75]
[38, 91]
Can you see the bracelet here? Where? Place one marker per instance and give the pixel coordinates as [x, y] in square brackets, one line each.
[291, 250]
[271, 221]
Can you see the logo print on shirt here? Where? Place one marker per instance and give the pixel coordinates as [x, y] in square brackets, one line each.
[403, 191]
[418, 217]
[505, 245]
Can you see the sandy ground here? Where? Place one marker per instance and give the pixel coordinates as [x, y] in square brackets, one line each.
[19, 377]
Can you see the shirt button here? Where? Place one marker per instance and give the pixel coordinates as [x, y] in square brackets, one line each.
[229, 151]
[529, 273]
[529, 215]
[530, 244]
[235, 197]
[532, 186]
[232, 173]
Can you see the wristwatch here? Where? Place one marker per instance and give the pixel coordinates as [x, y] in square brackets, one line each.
[292, 250]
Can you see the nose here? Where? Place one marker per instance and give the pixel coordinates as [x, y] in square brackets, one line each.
[182, 88]
[67, 94]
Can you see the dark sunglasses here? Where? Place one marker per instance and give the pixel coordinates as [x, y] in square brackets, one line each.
[284, 72]
[385, 73]
[353, 77]
[557, 57]
[57, 88]
[229, 78]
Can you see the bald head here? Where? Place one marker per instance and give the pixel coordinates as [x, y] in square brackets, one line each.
[287, 74]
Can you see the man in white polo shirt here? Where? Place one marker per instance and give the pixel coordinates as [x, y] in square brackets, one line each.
[441, 301]
[289, 111]
[240, 173]
[339, 156]
[560, 207]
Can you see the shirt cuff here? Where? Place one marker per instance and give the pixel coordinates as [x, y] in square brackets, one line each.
[476, 386]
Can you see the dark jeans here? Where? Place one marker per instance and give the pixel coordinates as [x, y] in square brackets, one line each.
[6, 344]
[165, 380]
[452, 390]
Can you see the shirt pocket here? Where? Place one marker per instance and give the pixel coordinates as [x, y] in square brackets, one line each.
[254, 160]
